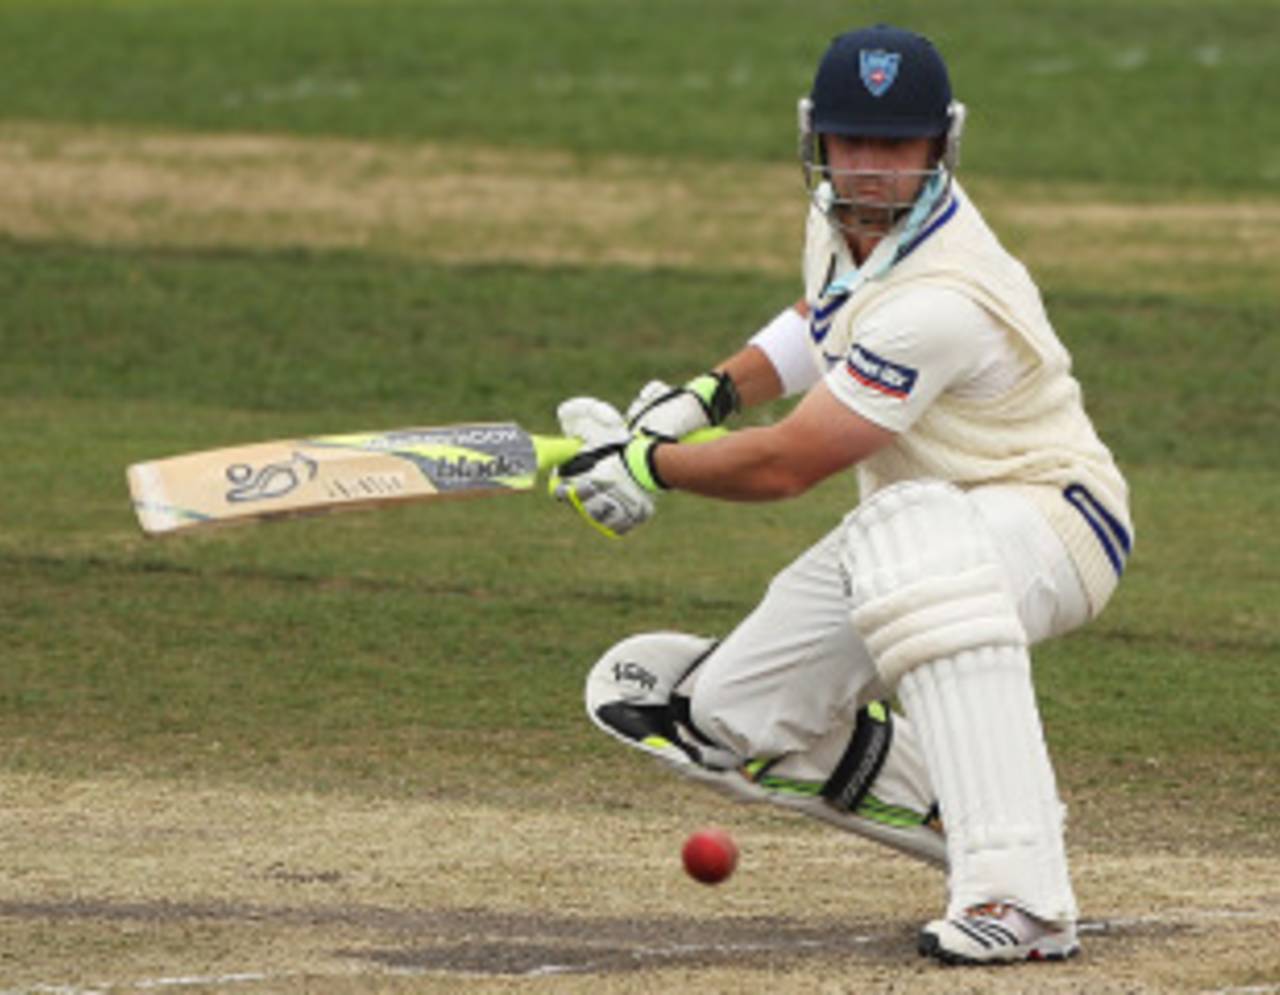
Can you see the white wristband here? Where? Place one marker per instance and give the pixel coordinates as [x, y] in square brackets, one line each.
[785, 341]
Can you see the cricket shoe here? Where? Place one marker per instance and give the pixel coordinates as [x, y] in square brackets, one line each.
[996, 933]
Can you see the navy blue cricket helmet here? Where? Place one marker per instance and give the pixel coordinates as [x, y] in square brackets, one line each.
[882, 82]
[879, 82]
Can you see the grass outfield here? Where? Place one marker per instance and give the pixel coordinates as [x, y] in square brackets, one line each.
[1169, 92]
[483, 616]
[220, 228]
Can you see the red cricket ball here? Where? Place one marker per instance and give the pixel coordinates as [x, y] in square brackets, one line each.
[710, 855]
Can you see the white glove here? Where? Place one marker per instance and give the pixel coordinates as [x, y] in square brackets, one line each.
[610, 482]
[674, 412]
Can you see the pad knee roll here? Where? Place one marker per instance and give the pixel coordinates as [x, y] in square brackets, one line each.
[925, 579]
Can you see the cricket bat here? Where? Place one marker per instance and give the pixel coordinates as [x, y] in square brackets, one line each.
[293, 477]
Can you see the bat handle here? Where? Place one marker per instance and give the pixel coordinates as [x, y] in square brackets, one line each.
[552, 450]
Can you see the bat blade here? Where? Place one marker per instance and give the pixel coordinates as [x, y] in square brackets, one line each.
[308, 476]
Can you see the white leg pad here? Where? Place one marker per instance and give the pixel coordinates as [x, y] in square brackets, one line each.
[902, 782]
[980, 732]
[901, 795]
[644, 669]
[929, 598]
[925, 580]
[642, 672]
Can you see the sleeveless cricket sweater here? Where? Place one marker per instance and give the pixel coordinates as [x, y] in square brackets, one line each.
[1035, 437]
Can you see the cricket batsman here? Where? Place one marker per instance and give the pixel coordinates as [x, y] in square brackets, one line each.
[991, 517]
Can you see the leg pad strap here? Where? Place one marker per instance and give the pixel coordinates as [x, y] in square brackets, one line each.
[865, 755]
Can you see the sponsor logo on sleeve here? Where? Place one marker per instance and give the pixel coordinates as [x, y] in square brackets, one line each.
[878, 373]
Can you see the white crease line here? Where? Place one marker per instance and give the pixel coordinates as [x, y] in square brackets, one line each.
[146, 984]
[192, 980]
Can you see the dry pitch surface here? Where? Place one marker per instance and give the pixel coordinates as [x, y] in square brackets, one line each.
[131, 885]
[124, 886]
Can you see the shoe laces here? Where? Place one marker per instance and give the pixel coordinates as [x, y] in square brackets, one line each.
[1013, 918]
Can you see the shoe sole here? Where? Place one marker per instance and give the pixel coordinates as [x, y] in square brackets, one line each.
[930, 946]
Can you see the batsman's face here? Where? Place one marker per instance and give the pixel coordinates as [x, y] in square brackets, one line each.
[876, 178]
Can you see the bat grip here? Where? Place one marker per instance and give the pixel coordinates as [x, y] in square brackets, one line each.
[553, 450]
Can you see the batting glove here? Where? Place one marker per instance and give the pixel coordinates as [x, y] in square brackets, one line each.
[611, 481]
[674, 412]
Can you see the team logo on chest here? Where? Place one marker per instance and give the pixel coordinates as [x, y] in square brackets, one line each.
[878, 69]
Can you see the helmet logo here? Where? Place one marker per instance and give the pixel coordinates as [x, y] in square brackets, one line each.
[878, 69]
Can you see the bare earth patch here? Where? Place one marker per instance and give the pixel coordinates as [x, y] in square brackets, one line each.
[123, 885]
[106, 186]
[447, 203]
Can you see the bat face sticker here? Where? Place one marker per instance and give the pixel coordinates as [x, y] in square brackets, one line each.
[274, 480]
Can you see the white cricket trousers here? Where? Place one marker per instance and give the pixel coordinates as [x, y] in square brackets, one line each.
[795, 668]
